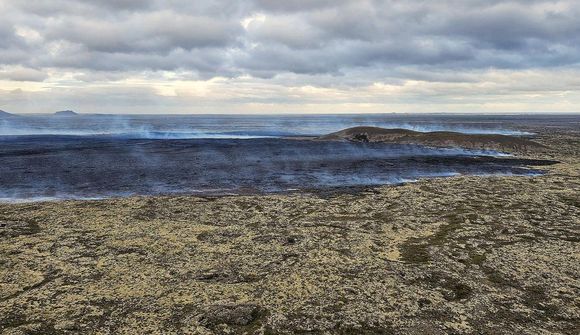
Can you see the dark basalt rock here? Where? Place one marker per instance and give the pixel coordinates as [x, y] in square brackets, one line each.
[363, 137]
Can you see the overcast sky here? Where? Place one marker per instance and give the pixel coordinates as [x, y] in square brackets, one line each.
[289, 56]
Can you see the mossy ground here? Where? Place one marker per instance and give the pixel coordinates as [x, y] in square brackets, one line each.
[465, 255]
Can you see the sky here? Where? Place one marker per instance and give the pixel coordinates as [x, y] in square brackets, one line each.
[290, 56]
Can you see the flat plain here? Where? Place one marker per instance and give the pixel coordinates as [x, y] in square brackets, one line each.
[461, 255]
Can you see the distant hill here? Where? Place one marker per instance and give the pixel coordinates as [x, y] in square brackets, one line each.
[434, 139]
[4, 114]
[66, 113]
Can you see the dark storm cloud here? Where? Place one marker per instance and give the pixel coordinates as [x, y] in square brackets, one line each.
[264, 38]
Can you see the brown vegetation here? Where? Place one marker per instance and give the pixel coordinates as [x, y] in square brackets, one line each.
[435, 139]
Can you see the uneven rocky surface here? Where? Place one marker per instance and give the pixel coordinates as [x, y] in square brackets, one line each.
[463, 255]
[436, 139]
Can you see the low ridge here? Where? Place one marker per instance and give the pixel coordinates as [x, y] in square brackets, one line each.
[66, 113]
[434, 139]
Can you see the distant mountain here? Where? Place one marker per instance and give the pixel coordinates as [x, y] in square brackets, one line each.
[4, 114]
[66, 113]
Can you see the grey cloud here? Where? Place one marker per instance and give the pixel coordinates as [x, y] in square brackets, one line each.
[290, 31]
[317, 37]
[120, 4]
[512, 26]
[22, 74]
[6, 34]
[297, 5]
[206, 62]
[449, 34]
[55, 8]
[157, 32]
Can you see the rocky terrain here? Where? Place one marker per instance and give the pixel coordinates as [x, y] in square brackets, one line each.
[462, 255]
[435, 139]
